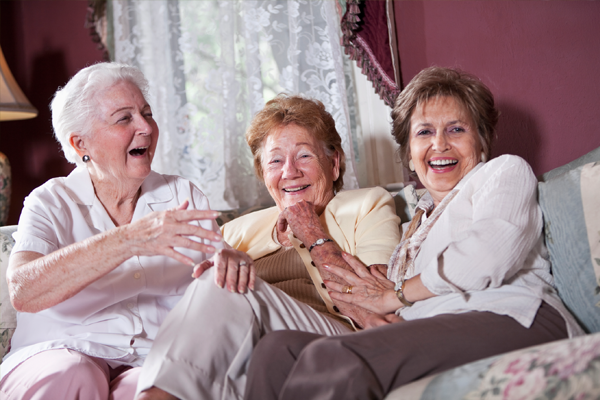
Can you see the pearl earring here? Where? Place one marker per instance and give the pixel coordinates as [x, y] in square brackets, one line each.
[411, 166]
[483, 157]
[85, 158]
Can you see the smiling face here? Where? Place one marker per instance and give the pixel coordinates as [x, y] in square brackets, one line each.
[444, 144]
[123, 135]
[295, 167]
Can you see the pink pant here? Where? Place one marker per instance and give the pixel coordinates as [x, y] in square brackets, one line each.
[68, 374]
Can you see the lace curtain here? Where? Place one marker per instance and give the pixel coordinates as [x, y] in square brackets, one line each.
[213, 64]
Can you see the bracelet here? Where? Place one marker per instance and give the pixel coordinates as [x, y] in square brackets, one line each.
[318, 243]
[400, 295]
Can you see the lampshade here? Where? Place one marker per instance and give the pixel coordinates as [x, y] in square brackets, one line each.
[13, 103]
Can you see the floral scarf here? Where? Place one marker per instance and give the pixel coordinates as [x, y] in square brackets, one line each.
[402, 260]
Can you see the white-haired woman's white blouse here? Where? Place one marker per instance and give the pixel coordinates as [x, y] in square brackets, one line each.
[116, 317]
[486, 250]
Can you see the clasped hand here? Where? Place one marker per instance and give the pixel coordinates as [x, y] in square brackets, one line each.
[302, 219]
[370, 289]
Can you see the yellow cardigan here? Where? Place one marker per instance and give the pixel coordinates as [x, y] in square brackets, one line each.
[362, 222]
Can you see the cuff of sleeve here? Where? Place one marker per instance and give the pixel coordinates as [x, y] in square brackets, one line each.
[35, 246]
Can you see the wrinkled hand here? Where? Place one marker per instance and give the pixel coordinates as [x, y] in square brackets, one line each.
[234, 269]
[303, 221]
[376, 320]
[365, 318]
[371, 291]
[158, 233]
[378, 271]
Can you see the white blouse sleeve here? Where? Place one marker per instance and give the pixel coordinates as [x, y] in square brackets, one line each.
[506, 224]
[37, 227]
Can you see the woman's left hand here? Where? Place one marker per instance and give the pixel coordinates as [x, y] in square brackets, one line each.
[365, 318]
[371, 291]
[234, 268]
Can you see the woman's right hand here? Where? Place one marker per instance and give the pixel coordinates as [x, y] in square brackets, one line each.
[158, 233]
[367, 290]
[234, 268]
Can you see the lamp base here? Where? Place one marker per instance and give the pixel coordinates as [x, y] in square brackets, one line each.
[5, 188]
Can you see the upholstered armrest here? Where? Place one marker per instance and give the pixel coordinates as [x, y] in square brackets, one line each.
[8, 315]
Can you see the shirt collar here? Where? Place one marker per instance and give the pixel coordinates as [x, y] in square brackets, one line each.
[80, 185]
[154, 188]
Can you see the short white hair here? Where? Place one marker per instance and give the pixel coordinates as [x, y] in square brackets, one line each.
[74, 103]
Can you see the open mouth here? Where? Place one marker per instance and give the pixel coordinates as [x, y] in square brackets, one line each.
[296, 189]
[138, 151]
[441, 164]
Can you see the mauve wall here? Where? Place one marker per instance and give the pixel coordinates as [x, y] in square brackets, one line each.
[44, 43]
[541, 59]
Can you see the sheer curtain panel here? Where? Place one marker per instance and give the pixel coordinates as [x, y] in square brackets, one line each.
[213, 64]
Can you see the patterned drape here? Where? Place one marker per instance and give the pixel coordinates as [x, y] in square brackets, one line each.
[369, 37]
[212, 64]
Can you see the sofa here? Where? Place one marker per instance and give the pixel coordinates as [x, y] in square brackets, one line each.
[568, 369]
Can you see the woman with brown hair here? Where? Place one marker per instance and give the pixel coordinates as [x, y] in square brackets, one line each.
[204, 346]
[470, 278]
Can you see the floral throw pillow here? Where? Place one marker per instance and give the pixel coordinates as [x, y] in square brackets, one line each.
[566, 369]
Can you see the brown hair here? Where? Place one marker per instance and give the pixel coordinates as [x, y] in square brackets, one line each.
[437, 81]
[306, 113]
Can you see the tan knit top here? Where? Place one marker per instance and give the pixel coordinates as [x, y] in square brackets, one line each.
[285, 270]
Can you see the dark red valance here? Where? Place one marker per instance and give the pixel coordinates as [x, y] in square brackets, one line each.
[369, 37]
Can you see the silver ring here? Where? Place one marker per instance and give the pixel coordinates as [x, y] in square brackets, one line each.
[243, 263]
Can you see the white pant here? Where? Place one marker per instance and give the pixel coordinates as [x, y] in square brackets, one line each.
[67, 375]
[203, 348]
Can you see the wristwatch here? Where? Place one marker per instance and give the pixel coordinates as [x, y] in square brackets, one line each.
[400, 295]
[318, 243]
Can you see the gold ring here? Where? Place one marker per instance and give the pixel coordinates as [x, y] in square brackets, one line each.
[347, 289]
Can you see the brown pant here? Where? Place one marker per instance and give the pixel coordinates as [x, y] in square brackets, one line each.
[371, 363]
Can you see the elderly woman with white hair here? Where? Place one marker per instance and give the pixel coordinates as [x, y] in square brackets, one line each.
[102, 255]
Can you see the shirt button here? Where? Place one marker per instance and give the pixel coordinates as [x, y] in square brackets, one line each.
[302, 246]
[137, 275]
[130, 305]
